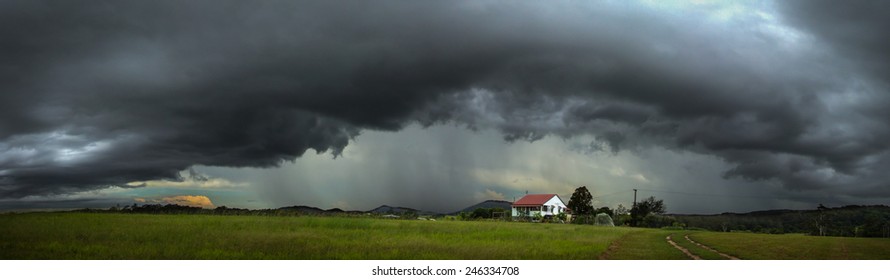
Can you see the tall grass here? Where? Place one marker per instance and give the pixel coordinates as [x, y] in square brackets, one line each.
[645, 244]
[134, 236]
[141, 236]
[794, 246]
[703, 253]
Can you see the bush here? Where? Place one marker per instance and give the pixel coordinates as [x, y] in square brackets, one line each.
[562, 217]
[582, 219]
[658, 221]
[621, 220]
[481, 213]
[603, 219]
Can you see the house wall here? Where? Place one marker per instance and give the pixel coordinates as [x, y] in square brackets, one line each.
[531, 212]
[554, 207]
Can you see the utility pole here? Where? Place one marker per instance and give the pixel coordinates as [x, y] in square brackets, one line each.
[635, 198]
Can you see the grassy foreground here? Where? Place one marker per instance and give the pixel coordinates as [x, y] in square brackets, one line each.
[138, 236]
[643, 244]
[134, 236]
[795, 246]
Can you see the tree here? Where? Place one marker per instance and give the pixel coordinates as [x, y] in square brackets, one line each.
[621, 210]
[644, 208]
[581, 202]
[621, 216]
[465, 216]
[481, 213]
[651, 205]
[606, 210]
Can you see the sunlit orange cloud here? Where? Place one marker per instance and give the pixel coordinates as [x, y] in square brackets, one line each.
[184, 200]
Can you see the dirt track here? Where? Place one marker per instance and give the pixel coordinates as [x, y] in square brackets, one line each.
[710, 249]
[684, 250]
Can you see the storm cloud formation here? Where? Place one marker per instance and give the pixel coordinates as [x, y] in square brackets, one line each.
[115, 92]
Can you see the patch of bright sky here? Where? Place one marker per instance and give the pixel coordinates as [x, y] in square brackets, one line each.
[445, 168]
[761, 14]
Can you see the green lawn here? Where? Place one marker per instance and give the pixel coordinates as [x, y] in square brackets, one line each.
[703, 253]
[794, 246]
[137, 236]
[644, 244]
[133, 236]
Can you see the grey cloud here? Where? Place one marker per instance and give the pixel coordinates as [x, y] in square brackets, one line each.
[55, 205]
[853, 29]
[142, 90]
[629, 113]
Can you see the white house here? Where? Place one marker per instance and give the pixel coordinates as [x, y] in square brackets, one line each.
[545, 204]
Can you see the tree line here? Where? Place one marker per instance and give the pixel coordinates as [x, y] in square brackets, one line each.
[849, 221]
[221, 210]
[647, 213]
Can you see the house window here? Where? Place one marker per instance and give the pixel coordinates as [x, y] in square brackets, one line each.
[544, 208]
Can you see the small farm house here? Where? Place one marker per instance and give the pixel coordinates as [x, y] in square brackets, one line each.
[545, 204]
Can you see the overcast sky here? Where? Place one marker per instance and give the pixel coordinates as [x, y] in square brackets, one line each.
[713, 106]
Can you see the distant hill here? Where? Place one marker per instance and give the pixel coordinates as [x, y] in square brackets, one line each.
[506, 205]
[341, 211]
[386, 209]
[304, 209]
[383, 209]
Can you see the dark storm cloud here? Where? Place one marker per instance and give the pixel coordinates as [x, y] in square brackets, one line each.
[55, 205]
[856, 29]
[114, 92]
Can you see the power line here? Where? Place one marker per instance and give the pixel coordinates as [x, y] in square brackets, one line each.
[621, 192]
[716, 195]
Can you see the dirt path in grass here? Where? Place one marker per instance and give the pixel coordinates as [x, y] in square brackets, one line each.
[684, 250]
[612, 248]
[710, 249]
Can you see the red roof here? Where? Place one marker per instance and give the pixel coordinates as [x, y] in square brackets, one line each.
[533, 199]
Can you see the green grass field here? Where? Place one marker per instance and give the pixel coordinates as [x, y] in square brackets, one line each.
[643, 244]
[135, 236]
[795, 246]
[695, 249]
[126, 236]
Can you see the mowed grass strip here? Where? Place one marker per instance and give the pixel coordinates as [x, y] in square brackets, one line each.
[644, 244]
[705, 254]
[795, 246]
[134, 236]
